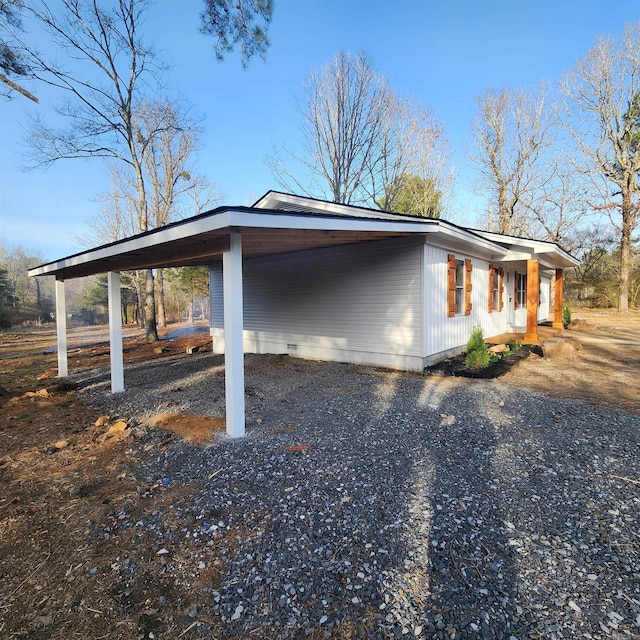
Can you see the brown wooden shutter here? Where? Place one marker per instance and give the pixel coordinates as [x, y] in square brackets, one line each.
[468, 267]
[516, 305]
[492, 271]
[500, 286]
[451, 285]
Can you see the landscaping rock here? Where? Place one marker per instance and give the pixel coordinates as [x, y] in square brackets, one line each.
[498, 348]
[561, 348]
[116, 429]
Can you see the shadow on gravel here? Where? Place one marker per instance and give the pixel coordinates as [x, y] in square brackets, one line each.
[385, 505]
[367, 510]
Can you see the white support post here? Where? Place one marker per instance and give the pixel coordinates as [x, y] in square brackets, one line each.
[115, 332]
[233, 343]
[61, 328]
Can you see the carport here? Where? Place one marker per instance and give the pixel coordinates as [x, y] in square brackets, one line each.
[226, 234]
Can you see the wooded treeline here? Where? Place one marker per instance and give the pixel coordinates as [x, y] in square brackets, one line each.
[31, 301]
[558, 162]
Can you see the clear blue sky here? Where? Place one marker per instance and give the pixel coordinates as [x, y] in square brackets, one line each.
[443, 53]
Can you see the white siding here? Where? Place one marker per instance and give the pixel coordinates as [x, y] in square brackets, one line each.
[441, 333]
[357, 303]
[545, 298]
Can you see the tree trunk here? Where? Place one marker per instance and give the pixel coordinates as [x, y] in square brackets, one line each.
[139, 299]
[504, 220]
[162, 316]
[625, 253]
[190, 318]
[150, 328]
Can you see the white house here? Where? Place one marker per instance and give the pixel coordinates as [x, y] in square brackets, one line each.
[403, 302]
[320, 280]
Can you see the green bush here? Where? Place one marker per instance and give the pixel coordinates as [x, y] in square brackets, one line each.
[478, 356]
[513, 345]
[566, 316]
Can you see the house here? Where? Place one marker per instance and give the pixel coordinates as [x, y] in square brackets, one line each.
[327, 281]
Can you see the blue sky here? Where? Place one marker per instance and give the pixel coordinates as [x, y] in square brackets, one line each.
[444, 54]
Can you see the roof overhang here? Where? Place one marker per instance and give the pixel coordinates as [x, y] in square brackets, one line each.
[203, 239]
[550, 255]
[293, 224]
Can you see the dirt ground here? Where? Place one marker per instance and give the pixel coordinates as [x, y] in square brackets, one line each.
[65, 474]
[606, 371]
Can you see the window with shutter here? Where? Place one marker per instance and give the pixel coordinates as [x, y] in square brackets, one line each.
[458, 286]
[495, 289]
[500, 288]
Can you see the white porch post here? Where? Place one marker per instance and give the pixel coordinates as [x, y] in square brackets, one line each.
[233, 344]
[115, 332]
[61, 328]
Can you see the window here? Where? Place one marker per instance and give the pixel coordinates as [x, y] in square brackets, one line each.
[521, 290]
[458, 286]
[496, 276]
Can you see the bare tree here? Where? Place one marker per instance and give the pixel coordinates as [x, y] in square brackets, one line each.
[359, 137]
[102, 99]
[115, 70]
[602, 100]
[411, 163]
[342, 124]
[173, 187]
[512, 134]
[560, 205]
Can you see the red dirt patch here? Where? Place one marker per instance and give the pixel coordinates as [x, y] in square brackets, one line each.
[191, 427]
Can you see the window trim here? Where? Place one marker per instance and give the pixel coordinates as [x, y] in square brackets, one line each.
[496, 287]
[520, 291]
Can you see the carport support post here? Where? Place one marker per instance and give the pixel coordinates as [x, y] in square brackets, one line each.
[115, 332]
[233, 343]
[533, 299]
[61, 329]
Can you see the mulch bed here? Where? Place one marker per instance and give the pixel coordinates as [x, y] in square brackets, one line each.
[456, 367]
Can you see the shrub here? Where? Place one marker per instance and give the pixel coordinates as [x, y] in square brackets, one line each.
[478, 356]
[566, 316]
[513, 345]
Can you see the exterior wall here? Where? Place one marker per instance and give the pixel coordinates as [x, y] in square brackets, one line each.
[443, 335]
[358, 303]
[544, 310]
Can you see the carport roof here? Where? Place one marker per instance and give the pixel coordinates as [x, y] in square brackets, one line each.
[277, 223]
[282, 223]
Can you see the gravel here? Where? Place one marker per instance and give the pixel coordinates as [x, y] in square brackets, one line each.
[374, 504]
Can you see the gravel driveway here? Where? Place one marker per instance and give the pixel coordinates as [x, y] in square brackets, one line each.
[412, 507]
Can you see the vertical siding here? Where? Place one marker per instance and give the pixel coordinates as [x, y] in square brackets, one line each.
[365, 298]
[442, 333]
[545, 297]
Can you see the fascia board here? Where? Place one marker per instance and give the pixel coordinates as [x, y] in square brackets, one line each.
[537, 246]
[458, 235]
[338, 223]
[162, 236]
